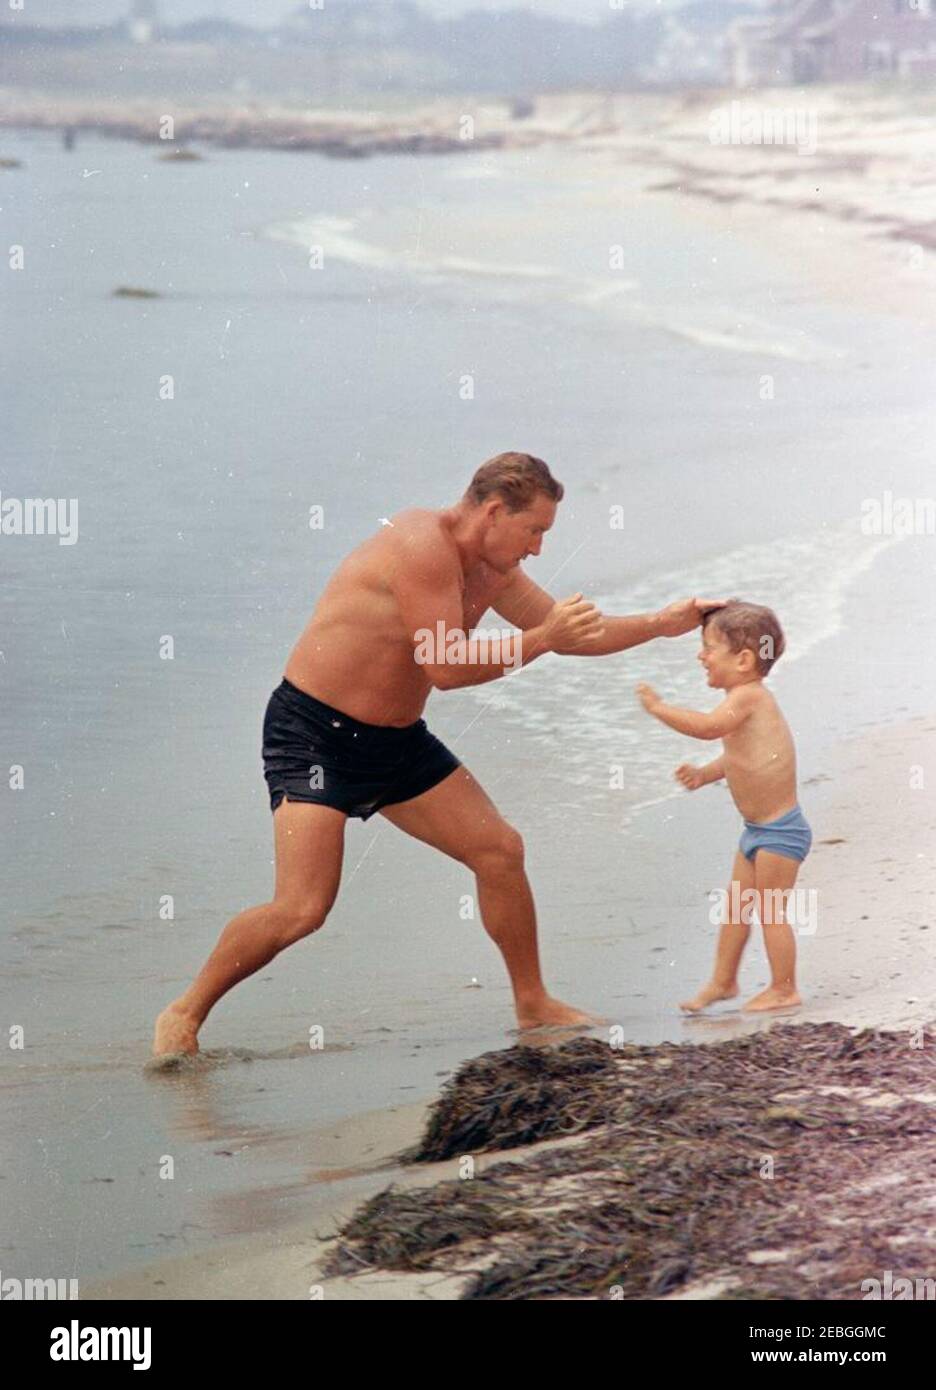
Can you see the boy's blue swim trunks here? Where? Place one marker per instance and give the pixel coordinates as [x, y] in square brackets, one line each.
[313, 752]
[789, 835]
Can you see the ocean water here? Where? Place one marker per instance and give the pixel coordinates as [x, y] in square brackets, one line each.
[699, 394]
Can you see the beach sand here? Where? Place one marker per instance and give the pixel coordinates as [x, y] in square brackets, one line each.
[871, 963]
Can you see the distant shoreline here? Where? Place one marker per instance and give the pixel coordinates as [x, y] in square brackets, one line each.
[341, 135]
[866, 169]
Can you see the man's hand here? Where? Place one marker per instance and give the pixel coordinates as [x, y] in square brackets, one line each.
[571, 625]
[683, 616]
[648, 697]
[691, 777]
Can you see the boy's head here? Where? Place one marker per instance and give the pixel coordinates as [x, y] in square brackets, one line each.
[740, 643]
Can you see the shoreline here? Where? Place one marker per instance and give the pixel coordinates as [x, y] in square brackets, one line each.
[864, 194]
[872, 145]
[432, 127]
[845, 981]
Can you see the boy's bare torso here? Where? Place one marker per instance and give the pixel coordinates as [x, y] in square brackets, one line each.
[356, 653]
[760, 762]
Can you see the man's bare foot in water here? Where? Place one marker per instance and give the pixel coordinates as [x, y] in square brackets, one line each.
[708, 994]
[547, 1012]
[772, 998]
[176, 1031]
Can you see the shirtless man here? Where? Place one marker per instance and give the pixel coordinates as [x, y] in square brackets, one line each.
[343, 734]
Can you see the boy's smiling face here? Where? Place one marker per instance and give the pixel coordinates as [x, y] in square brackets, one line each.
[724, 667]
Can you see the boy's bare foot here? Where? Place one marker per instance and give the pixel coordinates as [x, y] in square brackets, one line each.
[772, 998]
[550, 1012]
[708, 994]
[176, 1031]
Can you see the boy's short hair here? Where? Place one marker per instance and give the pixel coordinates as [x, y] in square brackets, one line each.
[750, 627]
[517, 478]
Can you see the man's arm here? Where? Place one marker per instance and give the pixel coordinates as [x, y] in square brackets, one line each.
[725, 719]
[429, 594]
[524, 604]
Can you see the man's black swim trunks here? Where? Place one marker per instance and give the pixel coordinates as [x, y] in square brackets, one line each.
[314, 753]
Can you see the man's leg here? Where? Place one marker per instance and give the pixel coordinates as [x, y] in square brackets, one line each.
[309, 848]
[457, 817]
[776, 875]
[732, 939]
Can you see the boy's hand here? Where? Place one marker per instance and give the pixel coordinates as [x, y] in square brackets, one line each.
[648, 697]
[681, 617]
[691, 777]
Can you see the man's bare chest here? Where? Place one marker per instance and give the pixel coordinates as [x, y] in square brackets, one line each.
[481, 587]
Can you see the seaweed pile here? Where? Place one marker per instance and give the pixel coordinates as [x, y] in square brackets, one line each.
[504, 1099]
[794, 1163]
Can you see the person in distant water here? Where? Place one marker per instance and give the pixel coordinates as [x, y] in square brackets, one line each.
[740, 643]
[343, 734]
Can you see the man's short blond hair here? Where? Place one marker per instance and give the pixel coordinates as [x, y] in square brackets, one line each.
[517, 478]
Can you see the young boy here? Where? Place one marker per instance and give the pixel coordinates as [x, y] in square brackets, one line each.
[740, 643]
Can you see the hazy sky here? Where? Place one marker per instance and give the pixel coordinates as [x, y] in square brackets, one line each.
[265, 12]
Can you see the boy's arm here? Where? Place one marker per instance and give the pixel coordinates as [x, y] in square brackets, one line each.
[713, 772]
[729, 715]
[693, 777]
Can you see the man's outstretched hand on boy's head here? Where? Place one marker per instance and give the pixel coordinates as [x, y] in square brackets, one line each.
[687, 613]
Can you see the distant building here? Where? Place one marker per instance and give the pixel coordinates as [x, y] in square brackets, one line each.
[833, 41]
[143, 21]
